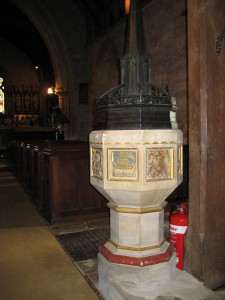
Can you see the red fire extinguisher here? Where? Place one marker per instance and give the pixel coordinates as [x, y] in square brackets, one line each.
[178, 227]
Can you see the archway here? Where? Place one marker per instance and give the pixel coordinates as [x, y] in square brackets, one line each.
[41, 17]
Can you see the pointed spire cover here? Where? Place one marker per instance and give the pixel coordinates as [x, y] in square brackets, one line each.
[135, 104]
[135, 36]
[136, 62]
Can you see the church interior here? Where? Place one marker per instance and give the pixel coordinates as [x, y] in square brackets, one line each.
[57, 58]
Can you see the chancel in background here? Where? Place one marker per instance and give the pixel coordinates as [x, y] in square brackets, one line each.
[58, 118]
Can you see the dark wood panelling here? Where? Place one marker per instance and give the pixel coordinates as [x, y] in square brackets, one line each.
[205, 256]
[56, 176]
[66, 186]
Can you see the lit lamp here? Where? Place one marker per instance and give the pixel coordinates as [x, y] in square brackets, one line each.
[50, 90]
[52, 99]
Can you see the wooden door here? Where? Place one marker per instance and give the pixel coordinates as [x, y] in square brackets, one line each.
[205, 242]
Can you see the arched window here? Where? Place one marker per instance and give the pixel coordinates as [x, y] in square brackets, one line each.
[2, 96]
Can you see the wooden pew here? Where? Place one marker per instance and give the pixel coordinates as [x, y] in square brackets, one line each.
[66, 189]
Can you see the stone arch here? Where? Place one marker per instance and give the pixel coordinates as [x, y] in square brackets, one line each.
[41, 17]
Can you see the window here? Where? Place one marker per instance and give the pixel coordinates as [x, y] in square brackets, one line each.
[2, 97]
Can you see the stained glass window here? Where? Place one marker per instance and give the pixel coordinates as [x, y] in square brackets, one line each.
[2, 97]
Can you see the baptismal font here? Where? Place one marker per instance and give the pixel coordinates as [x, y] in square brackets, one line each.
[136, 163]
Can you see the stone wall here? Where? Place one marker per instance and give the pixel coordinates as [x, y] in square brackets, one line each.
[165, 31]
[16, 67]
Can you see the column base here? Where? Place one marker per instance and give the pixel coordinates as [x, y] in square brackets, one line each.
[135, 271]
